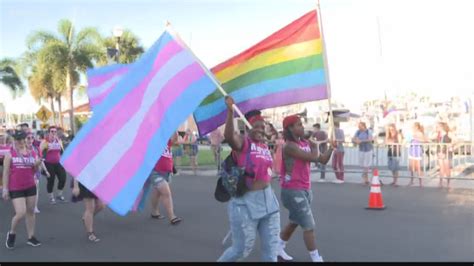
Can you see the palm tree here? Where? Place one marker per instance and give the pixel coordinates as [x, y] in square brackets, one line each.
[68, 54]
[40, 84]
[9, 76]
[130, 48]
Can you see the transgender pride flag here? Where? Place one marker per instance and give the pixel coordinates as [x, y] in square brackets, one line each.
[113, 154]
[101, 81]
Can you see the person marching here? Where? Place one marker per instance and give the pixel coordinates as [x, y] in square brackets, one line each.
[257, 210]
[160, 179]
[29, 145]
[20, 166]
[296, 194]
[4, 150]
[93, 206]
[52, 148]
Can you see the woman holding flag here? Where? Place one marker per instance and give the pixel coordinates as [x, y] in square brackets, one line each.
[258, 209]
[296, 194]
[93, 205]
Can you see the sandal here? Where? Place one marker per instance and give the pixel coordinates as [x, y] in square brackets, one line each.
[175, 220]
[93, 238]
[158, 217]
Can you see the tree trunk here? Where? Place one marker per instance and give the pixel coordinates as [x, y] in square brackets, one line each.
[52, 110]
[61, 121]
[71, 103]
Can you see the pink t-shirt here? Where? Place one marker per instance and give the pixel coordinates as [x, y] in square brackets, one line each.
[261, 160]
[165, 163]
[22, 171]
[299, 178]
[53, 155]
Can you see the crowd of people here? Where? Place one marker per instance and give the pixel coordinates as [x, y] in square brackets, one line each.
[364, 140]
[262, 151]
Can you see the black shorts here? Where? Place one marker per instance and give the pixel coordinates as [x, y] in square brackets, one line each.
[29, 192]
[84, 193]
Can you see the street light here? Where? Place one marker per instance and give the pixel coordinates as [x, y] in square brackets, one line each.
[117, 32]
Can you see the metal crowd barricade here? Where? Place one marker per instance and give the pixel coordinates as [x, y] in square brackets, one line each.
[462, 155]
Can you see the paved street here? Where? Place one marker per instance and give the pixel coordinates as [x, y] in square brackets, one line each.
[426, 224]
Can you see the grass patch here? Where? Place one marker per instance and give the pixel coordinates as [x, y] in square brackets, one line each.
[204, 157]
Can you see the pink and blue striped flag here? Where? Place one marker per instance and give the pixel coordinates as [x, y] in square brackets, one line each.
[115, 151]
[101, 81]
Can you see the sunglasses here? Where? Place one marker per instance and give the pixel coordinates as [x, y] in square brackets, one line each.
[53, 131]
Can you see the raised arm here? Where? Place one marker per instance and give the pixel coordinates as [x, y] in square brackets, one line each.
[235, 141]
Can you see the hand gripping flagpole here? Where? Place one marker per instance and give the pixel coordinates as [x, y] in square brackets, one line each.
[170, 30]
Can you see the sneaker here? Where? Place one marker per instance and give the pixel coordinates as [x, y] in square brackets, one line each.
[10, 242]
[283, 255]
[61, 199]
[337, 181]
[33, 242]
[52, 201]
[318, 259]
[37, 210]
[322, 181]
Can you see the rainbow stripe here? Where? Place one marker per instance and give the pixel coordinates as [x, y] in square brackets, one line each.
[285, 68]
[114, 153]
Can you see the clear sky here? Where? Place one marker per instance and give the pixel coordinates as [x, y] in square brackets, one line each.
[425, 46]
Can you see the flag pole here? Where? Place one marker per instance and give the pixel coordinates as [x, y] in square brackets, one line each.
[209, 73]
[326, 72]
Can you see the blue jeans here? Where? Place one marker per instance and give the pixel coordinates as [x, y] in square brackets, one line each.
[257, 211]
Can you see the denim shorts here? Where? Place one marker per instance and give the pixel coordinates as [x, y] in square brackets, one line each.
[157, 178]
[298, 203]
[394, 164]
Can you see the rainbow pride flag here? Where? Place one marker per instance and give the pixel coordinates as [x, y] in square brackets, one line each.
[101, 81]
[115, 151]
[285, 68]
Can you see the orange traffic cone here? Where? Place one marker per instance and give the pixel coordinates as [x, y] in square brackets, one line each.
[375, 196]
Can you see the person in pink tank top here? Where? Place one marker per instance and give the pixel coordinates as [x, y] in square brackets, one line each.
[30, 146]
[256, 211]
[52, 148]
[4, 150]
[160, 178]
[20, 166]
[296, 193]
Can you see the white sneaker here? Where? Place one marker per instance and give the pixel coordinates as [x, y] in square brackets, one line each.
[317, 259]
[337, 181]
[284, 255]
[36, 210]
[321, 180]
[52, 201]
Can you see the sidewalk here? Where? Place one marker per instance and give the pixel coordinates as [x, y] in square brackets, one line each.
[350, 177]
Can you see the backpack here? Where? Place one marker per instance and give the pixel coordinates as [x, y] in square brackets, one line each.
[231, 182]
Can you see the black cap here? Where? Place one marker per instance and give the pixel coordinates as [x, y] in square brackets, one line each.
[19, 135]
